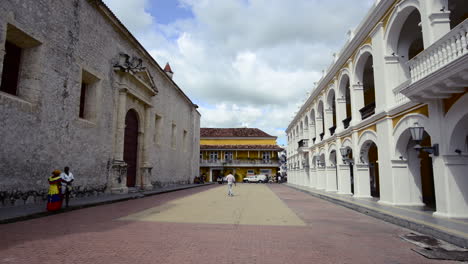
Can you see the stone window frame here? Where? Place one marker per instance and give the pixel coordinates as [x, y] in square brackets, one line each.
[173, 135]
[184, 140]
[158, 127]
[93, 81]
[30, 71]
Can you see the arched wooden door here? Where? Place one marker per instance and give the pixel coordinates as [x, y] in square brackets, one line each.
[131, 146]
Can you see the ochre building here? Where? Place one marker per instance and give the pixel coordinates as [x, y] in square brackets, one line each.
[240, 151]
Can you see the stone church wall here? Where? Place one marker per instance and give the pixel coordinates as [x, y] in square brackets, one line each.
[40, 128]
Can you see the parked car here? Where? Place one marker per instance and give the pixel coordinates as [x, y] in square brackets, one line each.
[248, 178]
[256, 178]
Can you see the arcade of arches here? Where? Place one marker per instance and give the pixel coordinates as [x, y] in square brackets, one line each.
[410, 71]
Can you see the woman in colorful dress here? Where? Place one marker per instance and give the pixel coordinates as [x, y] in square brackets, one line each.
[54, 197]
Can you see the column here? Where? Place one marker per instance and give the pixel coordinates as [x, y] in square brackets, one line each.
[321, 174]
[328, 121]
[357, 101]
[319, 128]
[312, 133]
[118, 173]
[340, 113]
[406, 188]
[362, 182]
[147, 146]
[313, 177]
[344, 179]
[120, 133]
[457, 182]
[331, 178]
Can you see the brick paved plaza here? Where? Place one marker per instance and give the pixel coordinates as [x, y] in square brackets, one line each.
[260, 224]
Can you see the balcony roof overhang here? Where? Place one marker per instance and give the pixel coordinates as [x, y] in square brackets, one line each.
[441, 84]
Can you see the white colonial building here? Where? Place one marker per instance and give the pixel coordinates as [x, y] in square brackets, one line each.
[403, 70]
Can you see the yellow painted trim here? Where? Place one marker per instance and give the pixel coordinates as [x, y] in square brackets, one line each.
[370, 128]
[448, 103]
[345, 138]
[386, 17]
[237, 142]
[423, 110]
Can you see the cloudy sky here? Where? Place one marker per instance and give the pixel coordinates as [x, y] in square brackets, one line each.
[244, 62]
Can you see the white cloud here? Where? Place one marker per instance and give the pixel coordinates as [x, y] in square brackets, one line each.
[133, 14]
[248, 62]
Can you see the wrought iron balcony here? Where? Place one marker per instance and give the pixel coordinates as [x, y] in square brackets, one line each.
[346, 122]
[367, 110]
[303, 143]
[313, 140]
[321, 136]
[332, 130]
[241, 162]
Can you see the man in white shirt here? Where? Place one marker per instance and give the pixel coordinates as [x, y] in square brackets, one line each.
[230, 180]
[67, 178]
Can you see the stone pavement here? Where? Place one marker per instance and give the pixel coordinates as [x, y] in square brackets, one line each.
[451, 230]
[260, 224]
[19, 213]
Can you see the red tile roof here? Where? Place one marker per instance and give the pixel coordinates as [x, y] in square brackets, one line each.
[233, 132]
[167, 68]
[241, 147]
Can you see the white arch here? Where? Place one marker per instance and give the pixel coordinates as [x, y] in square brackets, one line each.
[401, 134]
[341, 84]
[457, 126]
[329, 94]
[347, 143]
[395, 23]
[364, 144]
[360, 62]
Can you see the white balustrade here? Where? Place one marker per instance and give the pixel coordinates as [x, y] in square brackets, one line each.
[452, 46]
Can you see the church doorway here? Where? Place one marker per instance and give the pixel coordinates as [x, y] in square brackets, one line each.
[131, 146]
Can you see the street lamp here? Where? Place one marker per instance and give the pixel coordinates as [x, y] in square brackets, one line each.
[345, 153]
[417, 134]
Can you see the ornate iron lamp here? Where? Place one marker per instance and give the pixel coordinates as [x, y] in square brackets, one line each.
[344, 154]
[417, 134]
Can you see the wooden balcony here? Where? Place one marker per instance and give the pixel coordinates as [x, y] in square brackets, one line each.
[367, 110]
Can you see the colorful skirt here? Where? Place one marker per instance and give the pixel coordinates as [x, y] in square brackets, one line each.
[54, 199]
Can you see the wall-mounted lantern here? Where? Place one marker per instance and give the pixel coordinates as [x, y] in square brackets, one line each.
[417, 133]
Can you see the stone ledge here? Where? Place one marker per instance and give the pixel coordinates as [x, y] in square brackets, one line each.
[39, 211]
[393, 219]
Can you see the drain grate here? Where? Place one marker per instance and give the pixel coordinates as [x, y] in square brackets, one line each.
[442, 254]
[432, 248]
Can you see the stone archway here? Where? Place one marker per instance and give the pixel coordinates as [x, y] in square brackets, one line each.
[131, 146]
[332, 173]
[405, 39]
[367, 181]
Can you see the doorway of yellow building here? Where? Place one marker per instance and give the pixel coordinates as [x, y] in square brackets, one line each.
[215, 173]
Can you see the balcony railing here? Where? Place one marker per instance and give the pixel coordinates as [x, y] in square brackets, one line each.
[332, 130]
[321, 136]
[450, 47]
[313, 140]
[400, 99]
[367, 110]
[303, 143]
[346, 122]
[213, 162]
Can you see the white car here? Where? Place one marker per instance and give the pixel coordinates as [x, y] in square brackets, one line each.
[256, 178]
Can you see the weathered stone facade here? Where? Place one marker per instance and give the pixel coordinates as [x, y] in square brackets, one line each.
[64, 45]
